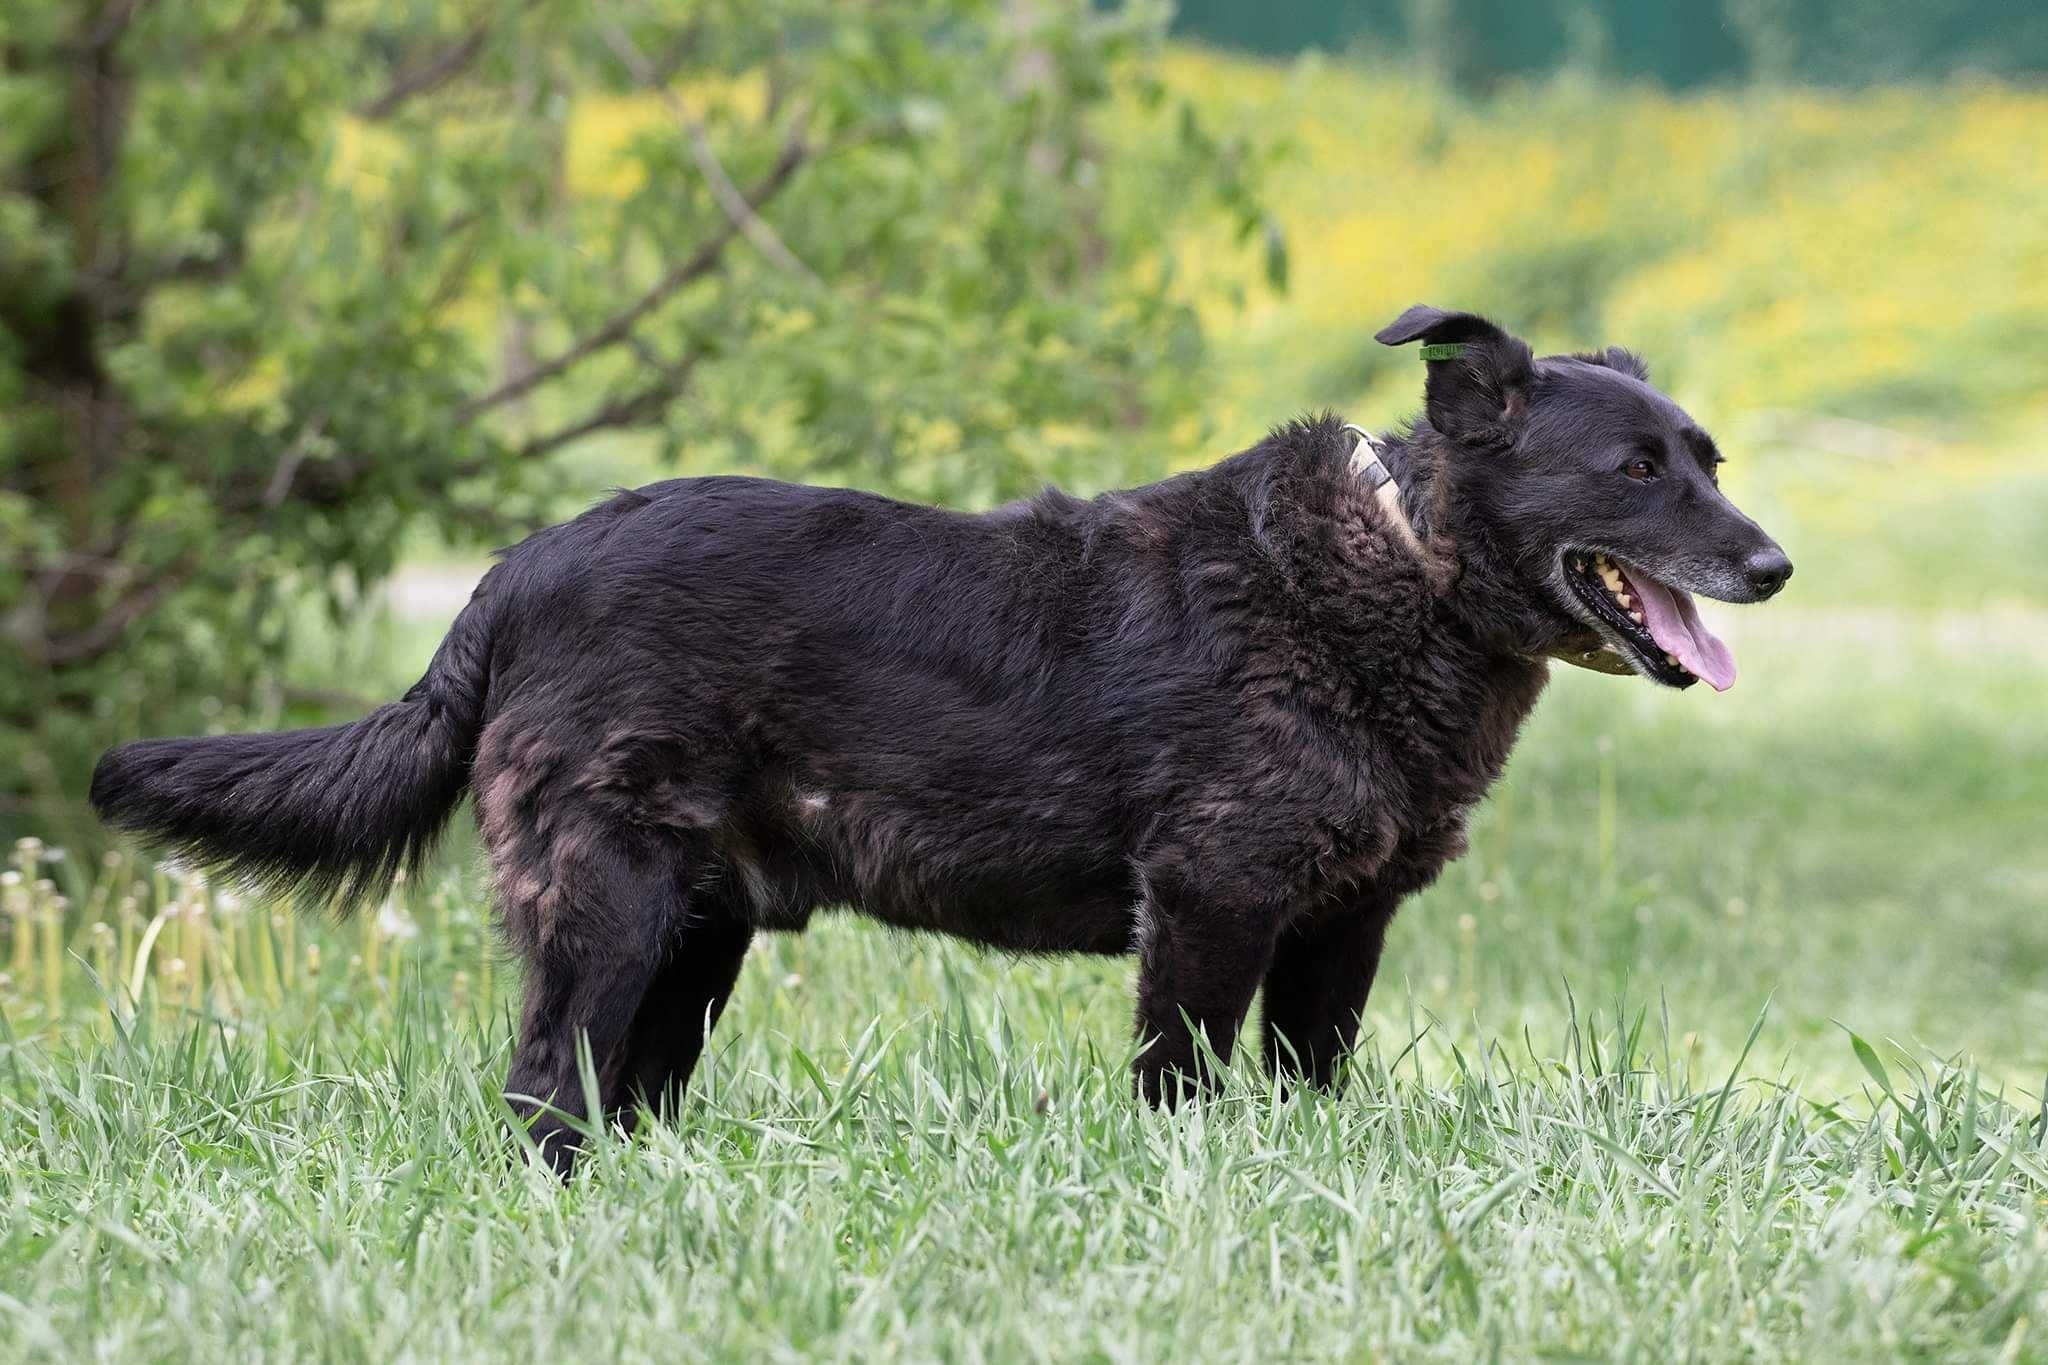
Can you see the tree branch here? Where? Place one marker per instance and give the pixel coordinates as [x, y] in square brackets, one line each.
[427, 74]
[114, 23]
[616, 328]
[191, 268]
[288, 463]
[64, 561]
[105, 633]
[735, 204]
[631, 409]
[627, 410]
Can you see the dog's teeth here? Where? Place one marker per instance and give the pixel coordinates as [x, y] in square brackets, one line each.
[1636, 617]
[1625, 599]
[1671, 659]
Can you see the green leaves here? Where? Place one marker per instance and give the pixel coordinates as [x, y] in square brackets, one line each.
[329, 279]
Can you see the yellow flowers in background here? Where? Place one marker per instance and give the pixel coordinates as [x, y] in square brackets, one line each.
[1881, 254]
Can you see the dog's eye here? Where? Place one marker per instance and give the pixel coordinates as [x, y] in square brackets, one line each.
[1641, 468]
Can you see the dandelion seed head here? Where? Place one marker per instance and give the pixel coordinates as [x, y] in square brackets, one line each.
[394, 923]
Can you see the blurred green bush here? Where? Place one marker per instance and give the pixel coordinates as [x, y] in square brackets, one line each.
[283, 283]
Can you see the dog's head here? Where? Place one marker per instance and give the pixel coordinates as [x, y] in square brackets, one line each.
[1597, 494]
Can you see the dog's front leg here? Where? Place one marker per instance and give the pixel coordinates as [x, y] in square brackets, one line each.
[1200, 960]
[1321, 974]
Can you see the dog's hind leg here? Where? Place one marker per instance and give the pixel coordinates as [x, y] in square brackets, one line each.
[1200, 960]
[594, 923]
[682, 1005]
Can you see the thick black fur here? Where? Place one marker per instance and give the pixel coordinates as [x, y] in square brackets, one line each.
[330, 814]
[1225, 723]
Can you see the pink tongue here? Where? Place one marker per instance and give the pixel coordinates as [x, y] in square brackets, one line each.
[1675, 624]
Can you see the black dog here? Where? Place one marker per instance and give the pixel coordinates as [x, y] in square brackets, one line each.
[1224, 723]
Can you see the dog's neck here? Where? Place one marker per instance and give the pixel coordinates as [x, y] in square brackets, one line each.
[1482, 597]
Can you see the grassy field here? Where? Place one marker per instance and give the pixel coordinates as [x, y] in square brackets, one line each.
[1565, 1137]
[1727, 1040]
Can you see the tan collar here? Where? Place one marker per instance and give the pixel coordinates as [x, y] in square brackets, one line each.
[1367, 464]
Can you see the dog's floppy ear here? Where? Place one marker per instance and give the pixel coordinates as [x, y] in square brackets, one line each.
[1479, 376]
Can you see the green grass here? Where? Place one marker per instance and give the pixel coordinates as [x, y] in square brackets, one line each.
[966, 1186]
[903, 1148]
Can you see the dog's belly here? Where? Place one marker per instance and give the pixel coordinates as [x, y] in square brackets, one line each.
[1078, 919]
[1038, 907]
[1012, 884]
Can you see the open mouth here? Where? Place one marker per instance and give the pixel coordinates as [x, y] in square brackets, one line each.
[1656, 626]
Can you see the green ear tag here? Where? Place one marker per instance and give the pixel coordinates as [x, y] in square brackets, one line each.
[1443, 350]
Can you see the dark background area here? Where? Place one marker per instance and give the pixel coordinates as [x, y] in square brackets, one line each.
[1479, 42]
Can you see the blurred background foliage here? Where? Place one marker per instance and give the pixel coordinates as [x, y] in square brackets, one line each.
[301, 299]
[287, 286]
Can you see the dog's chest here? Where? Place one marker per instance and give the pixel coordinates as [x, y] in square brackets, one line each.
[1450, 762]
[1385, 794]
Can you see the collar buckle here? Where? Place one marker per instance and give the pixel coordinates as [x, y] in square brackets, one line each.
[1369, 466]
[1365, 458]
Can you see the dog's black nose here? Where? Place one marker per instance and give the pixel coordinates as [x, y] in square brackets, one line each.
[1767, 571]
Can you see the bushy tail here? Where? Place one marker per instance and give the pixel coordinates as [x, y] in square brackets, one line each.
[331, 814]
